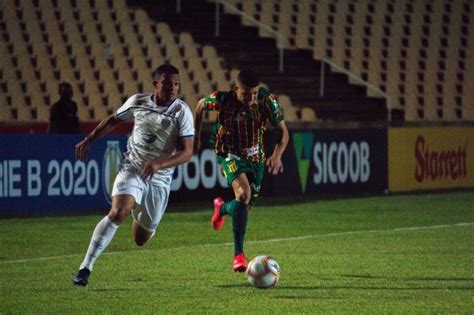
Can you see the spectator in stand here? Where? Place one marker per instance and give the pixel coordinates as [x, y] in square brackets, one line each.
[63, 118]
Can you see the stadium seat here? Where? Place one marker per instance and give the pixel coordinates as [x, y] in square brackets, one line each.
[421, 56]
[43, 113]
[266, 17]
[203, 85]
[186, 42]
[104, 46]
[220, 79]
[5, 109]
[195, 66]
[308, 114]
[289, 110]
[372, 40]
[248, 6]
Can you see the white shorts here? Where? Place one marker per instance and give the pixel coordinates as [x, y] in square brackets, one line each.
[151, 200]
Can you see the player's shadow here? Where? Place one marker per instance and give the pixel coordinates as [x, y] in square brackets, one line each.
[366, 286]
[352, 287]
[375, 288]
[112, 289]
[77, 288]
[230, 286]
[420, 278]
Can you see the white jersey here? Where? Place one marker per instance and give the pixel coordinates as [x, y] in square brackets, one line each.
[155, 132]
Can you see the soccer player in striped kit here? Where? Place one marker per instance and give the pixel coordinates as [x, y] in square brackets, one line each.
[242, 117]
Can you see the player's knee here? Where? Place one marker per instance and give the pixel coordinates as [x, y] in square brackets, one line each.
[140, 241]
[140, 236]
[243, 196]
[118, 215]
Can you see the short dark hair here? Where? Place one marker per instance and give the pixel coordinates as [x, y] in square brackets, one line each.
[248, 78]
[65, 85]
[65, 89]
[165, 69]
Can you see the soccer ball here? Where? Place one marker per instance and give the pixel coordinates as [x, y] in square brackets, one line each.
[263, 272]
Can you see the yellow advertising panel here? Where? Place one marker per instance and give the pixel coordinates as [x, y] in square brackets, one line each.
[430, 158]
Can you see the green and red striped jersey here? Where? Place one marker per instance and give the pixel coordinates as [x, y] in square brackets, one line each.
[240, 129]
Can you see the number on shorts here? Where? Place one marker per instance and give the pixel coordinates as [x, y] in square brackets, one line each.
[232, 166]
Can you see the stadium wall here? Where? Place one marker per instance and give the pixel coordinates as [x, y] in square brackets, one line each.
[39, 174]
[430, 158]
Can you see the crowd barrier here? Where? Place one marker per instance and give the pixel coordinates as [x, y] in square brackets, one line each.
[430, 158]
[39, 174]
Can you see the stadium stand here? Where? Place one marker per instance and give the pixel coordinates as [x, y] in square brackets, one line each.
[301, 77]
[415, 51]
[105, 50]
[420, 53]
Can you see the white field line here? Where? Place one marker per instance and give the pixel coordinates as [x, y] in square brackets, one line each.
[273, 240]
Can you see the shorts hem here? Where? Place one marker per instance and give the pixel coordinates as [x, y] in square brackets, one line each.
[143, 227]
[127, 193]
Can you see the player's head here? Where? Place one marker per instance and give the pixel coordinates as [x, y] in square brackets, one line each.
[246, 87]
[65, 90]
[166, 82]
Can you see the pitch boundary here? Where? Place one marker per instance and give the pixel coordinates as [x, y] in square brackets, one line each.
[273, 240]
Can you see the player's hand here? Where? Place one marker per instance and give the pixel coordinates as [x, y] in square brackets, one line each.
[196, 145]
[150, 168]
[275, 165]
[82, 148]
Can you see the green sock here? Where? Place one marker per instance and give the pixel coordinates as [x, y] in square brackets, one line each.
[239, 213]
[239, 226]
[229, 207]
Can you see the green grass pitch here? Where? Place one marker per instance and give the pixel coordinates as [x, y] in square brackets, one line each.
[388, 254]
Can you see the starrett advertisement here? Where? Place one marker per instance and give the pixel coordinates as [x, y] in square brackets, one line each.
[430, 158]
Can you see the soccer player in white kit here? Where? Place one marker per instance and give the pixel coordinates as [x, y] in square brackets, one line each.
[162, 138]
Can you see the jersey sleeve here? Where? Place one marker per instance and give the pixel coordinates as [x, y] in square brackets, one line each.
[213, 101]
[186, 123]
[125, 112]
[273, 108]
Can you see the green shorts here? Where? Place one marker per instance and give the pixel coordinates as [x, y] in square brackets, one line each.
[232, 166]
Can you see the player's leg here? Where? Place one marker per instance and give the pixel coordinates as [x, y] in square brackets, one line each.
[241, 188]
[255, 179]
[237, 209]
[230, 167]
[235, 170]
[126, 193]
[140, 235]
[148, 214]
[103, 235]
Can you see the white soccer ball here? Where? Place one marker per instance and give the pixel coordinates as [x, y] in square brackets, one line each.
[263, 272]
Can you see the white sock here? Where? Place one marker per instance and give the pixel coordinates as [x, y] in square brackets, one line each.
[103, 234]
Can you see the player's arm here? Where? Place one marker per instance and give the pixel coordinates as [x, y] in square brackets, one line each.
[180, 157]
[274, 163]
[275, 113]
[198, 118]
[103, 128]
[211, 102]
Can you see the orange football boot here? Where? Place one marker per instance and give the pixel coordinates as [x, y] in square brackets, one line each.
[217, 219]
[240, 262]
